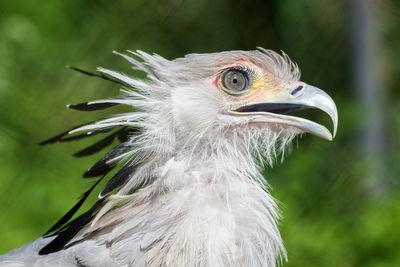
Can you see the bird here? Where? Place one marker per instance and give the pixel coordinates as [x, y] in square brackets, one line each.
[184, 185]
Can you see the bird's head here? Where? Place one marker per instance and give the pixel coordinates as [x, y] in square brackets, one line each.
[253, 89]
[225, 102]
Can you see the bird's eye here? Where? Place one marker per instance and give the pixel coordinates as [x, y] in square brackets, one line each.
[235, 81]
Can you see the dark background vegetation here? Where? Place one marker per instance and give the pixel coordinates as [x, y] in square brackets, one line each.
[340, 200]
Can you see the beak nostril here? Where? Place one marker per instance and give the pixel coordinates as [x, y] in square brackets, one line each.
[297, 90]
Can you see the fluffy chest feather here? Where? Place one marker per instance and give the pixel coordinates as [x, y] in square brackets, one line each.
[202, 222]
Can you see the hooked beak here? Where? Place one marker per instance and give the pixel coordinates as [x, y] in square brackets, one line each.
[303, 96]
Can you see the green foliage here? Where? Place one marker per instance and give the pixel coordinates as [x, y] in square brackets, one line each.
[340, 206]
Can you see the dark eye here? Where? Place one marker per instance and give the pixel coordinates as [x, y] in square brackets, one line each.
[235, 81]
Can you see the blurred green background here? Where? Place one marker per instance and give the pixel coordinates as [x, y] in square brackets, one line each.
[340, 200]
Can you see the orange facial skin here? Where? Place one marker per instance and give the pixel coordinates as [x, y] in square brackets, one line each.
[263, 85]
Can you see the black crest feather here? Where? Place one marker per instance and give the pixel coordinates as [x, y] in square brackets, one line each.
[98, 75]
[87, 134]
[119, 178]
[60, 136]
[104, 164]
[73, 210]
[99, 145]
[65, 234]
[90, 106]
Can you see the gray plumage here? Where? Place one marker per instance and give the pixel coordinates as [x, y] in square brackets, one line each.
[190, 192]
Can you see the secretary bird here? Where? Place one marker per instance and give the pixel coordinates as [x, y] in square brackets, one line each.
[186, 189]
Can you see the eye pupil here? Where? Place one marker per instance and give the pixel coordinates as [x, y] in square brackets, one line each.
[235, 81]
